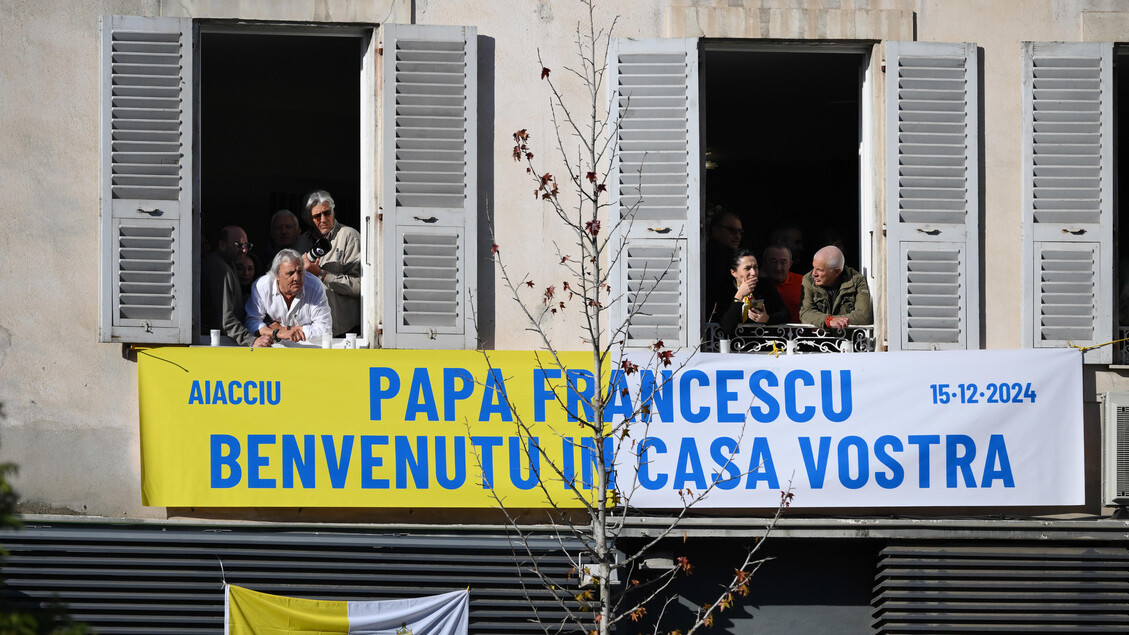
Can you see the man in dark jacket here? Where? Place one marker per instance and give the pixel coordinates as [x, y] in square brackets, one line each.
[835, 296]
[221, 297]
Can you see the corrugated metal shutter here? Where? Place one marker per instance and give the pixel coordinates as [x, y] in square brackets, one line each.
[430, 201]
[932, 203]
[1036, 589]
[167, 578]
[1068, 195]
[655, 186]
[146, 263]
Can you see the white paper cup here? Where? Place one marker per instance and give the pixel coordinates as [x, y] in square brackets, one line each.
[350, 340]
[327, 340]
[215, 335]
[723, 346]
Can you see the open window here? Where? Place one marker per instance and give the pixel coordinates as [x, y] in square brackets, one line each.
[215, 124]
[788, 130]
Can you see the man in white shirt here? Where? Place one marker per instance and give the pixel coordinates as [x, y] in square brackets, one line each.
[289, 303]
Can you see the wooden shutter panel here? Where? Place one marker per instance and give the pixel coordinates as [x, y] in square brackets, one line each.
[429, 184]
[932, 201]
[146, 180]
[656, 282]
[1068, 196]
[655, 188]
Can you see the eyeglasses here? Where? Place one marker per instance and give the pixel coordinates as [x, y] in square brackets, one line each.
[326, 214]
[243, 245]
[737, 231]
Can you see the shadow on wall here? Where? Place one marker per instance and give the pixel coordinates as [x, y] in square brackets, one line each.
[484, 293]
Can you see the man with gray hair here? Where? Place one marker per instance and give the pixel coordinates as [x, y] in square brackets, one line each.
[835, 296]
[289, 303]
[339, 268]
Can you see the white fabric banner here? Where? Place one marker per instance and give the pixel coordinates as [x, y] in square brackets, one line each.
[913, 429]
[446, 614]
[248, 612]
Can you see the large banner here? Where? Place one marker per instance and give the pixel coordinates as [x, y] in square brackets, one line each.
[396, 428]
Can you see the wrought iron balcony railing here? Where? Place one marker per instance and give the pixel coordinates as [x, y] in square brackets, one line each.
[791, 339]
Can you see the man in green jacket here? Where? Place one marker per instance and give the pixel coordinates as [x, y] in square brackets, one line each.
[835, 296]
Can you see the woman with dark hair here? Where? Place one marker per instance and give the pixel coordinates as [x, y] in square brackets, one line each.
[751, 303]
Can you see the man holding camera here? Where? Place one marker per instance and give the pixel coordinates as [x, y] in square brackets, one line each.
[332, 252]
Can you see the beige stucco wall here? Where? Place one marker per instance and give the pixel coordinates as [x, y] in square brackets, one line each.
[70, 402]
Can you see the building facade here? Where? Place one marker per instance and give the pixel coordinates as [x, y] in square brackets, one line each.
[965, 154]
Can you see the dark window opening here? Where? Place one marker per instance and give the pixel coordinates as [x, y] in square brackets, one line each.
[782, 140]
[279, 117]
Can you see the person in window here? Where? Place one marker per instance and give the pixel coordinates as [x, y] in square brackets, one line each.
[789, 284]
[749, 302]
[246, 269]
[725, 236]
[790, 235]
[284, 234]
[289, 303]
[835, 296]
[339, 269]
[221, 297]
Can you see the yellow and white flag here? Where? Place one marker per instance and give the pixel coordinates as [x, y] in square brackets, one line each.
[248, 612]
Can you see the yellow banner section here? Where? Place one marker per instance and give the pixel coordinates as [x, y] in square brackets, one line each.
[360, 428]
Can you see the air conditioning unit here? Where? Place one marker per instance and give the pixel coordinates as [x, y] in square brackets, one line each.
[1115, 449]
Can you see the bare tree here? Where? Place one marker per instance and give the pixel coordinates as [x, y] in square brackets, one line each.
[607, 586]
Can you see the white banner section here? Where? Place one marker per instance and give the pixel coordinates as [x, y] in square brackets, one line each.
[915, 429]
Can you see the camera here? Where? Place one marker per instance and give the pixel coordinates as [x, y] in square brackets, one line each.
[320, 247]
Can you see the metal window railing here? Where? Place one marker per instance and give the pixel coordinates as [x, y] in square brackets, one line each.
[791, 339]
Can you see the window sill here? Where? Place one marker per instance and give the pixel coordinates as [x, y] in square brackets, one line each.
[226, 342]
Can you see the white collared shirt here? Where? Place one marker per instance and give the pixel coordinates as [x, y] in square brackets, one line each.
[309, 309]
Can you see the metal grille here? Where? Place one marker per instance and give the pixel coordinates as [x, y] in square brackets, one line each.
[1122, 452]
[164, 578]
[431, 121]
[654, 165]
[932, 139]
[1037, 589]
[145, 117]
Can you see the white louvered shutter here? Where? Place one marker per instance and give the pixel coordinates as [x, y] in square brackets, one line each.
[932, 196]
[146, 180]
[429, 189]
[1068, 196]
[655, 189]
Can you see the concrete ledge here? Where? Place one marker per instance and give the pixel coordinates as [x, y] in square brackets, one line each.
[1084, 529]
[789, 24]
